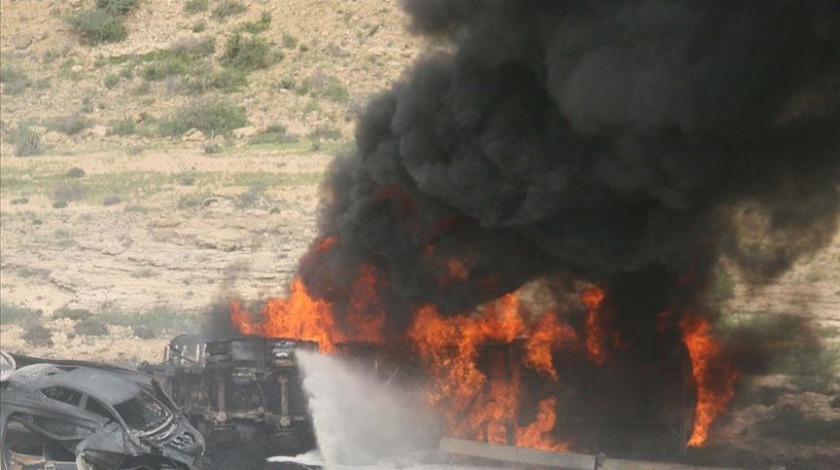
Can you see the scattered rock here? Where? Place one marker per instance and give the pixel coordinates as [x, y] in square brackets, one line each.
[193, 135]
[248, 131]
[99, 130]
[165, 223]
[22, 42]
[53, 137]
[77, 69]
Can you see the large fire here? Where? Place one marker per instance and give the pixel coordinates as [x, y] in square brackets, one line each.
[714, 376]
[300, 316]
[478, 394]
[484, 404]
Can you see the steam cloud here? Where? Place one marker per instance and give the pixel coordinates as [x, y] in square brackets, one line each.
[610, 140]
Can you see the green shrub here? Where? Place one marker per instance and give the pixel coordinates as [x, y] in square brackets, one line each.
[70, 124]
[227, 8]
[74, 314]
[199, 27]
[14, 79]
[210, 117]
[74, 172]
[27, 142]
[90, 327]
[123, 127]
[117, 7]
[196, 6]
[325, 132]
[167, 66]
[97, 26]
[10, 314]
[66, 192]
[195, 47]
[289, 41]
[248, 53]
[37, 335]
[43, 83]
[159, 319]
[321, 85]
[226, 81]
[274, 134]
[111, 80]
[256, 27]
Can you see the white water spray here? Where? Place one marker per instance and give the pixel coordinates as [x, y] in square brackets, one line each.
[360, 420]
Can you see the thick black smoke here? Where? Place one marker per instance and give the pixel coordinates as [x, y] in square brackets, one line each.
[613, 140]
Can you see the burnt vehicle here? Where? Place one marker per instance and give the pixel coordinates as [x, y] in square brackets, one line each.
[75, 414]
[240, 391]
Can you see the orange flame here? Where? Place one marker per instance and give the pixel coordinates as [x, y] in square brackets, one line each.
[715, 378]
[299, 316]
[366, 316]
[483, 404]
[596, 333]
[536, 435]
[302, 317]
[548, 334]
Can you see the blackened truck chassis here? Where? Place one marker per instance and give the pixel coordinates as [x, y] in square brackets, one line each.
[240, 391]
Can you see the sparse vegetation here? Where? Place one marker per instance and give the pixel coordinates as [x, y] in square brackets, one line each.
[67, 192]
[274, 134]
[27, 142]
[70, 124]
[123, 127]
[196, 6]
[142, 273]
[248, 53]
[90, 327]
[37, 335]
[321, 85]
[209, 116]
[228, 8]
[74, 172]
[117, 7]
[289, 41]
[73, 314]
[256, 27]
[158, 320]
[97, 26]
[14, 80]
[325, 132]
[11, 314]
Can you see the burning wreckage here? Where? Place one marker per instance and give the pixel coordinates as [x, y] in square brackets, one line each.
[240, 391]
[233, 392]
[82, 415]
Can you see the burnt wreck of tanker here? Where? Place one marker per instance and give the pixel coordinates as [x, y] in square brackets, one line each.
[240, 391]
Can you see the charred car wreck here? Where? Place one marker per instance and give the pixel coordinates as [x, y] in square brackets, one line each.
[74, 414]
[240, 391]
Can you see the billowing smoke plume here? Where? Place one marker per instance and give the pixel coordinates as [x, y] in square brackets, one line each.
[609, 140]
